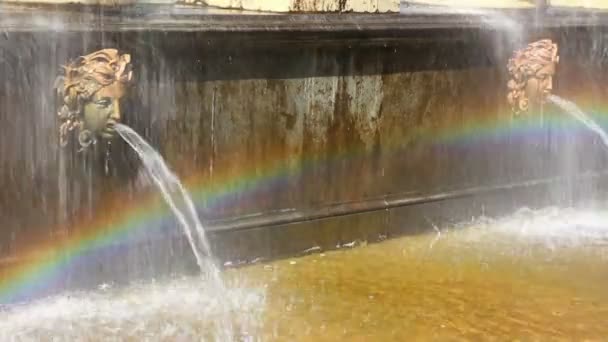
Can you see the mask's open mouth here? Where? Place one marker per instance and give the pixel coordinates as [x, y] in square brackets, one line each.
[109, 131]
[545, 94]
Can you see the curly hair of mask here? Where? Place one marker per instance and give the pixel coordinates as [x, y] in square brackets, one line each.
[88, 74]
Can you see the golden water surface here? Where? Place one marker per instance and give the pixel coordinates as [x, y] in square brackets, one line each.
[474, 283]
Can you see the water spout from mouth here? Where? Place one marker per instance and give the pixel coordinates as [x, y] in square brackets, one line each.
[182, 206]
[172, 191]
[573, 110]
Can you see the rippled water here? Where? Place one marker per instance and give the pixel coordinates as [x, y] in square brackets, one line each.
[534, 274]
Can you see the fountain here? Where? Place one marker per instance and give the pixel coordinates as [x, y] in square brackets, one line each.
[91, 90]
[532, 70]
[300, 140]
[175, 195]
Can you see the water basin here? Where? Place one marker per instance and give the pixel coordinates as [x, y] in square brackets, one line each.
[532, 275]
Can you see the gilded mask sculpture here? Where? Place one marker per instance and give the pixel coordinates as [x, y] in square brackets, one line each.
[531, 71]
[90, 92]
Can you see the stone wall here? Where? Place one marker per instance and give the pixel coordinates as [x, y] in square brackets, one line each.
[287, 126]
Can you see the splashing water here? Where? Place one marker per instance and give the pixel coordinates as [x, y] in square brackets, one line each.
[169, 310]
[173, 193]
[181, 205]
[579, 115]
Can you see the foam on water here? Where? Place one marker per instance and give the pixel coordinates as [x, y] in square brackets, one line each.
[549, 227]
[178, 310]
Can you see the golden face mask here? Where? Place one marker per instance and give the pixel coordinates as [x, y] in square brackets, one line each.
[90, 92]
[531, 73]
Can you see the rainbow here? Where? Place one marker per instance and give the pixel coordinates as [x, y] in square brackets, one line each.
[40, 268]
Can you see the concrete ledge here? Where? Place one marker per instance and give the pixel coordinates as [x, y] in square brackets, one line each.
[78, 18]
[361, 6]
[369, 6]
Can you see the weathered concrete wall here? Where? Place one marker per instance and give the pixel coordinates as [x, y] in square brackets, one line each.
[288, 126]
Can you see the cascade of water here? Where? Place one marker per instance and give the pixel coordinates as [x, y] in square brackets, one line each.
[173, 193]
[579, 115]
[491, 18]
[183, 208]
